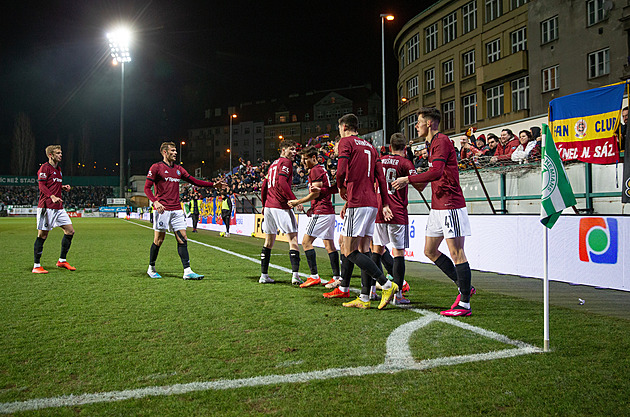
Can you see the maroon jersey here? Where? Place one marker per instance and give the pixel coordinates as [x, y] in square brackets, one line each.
[165, 180]
[359, 167]
[395, 166]
[49, 180]
[443, 175]
[279, 178]
[322, 204]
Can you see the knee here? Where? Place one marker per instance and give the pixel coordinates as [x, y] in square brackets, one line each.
[158, 241]
[431, 254]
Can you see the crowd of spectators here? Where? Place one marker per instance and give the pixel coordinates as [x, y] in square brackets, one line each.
[483, 150]
[78, 197]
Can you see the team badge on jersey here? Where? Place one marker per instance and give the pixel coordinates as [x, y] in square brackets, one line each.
[179, 173]
[42, 175]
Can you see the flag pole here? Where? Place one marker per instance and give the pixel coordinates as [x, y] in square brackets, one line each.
[546, 292]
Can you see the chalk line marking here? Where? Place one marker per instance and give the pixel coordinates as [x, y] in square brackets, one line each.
[398, 358]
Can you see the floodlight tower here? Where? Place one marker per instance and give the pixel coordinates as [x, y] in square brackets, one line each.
[119, 41]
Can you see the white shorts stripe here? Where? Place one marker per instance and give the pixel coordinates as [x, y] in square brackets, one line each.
[448, 223]
[359, 221]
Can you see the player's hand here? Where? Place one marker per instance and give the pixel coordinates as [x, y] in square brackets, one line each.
[56, 199]
[313, 189]
[342, 214]
[387, 213]
[400, 182]
[292, 203]
[65, 187]
[158, 206]
[343, 192]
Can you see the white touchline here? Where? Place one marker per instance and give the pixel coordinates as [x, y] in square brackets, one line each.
[398, 358]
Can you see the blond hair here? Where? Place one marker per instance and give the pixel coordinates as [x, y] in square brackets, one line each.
[166, 145]
[51, 149]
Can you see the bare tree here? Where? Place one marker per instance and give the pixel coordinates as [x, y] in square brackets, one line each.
[23, 149]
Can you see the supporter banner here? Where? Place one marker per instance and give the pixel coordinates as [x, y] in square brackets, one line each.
[210, 211]
[12, 180]
[109, 209]
[258, 219]
[74, 214]
[584, 124]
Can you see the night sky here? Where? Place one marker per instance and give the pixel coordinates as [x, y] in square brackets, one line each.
[187, 56]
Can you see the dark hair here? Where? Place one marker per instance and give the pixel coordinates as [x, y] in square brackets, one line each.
[310, 151]
[528, 133]
[398, 141]
[492, 136]
[287, 143]
[350, 120]
[509, 132]
[430, 113]
[535, 131]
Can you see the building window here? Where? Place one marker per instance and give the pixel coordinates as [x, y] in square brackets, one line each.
[283, 119]
[494, 101]
[595, 11]
[328, 114]
[448, 115]
[519, 40]
[599, 63]
[412, 133]
[515, 4]
[258, 141]
[468, 58]
[549, 30]
[401, 58]
[258, 154]
[359, 111]
[412, 87]
[431, 37]
[448, 71]
[550, 79]
[245, 142]
[246, 130]
[307, 117]
[258, 129]
[520, 94]
[469, 106]
[320, 115]
[294, 118]
[429, 78]
[307, 129]
[413, 50]
[217, 154]
[493, 51]
[216, 142]
[449, 27]
[469, 17]
[494, 9]
[338, 114]
[401, 93]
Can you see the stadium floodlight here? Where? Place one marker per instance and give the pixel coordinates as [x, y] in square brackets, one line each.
[384, 17]
[119, 41]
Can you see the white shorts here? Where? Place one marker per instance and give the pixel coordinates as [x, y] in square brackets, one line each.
[48, 219]
[359, 221]
[322, 226]
[279, 219]
[397, 234]
[448, 223]
[169, 221]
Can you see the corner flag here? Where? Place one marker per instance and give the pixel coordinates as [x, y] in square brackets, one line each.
[557, 193]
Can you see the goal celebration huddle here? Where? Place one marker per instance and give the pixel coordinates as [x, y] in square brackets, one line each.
[373, 187]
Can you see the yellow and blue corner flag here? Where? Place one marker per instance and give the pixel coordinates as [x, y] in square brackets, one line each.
[557, 193]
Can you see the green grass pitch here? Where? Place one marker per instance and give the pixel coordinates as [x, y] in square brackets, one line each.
[108, 327]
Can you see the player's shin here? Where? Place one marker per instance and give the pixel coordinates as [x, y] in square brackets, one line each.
[399, 271]
[265, 258]
[311, 258]
[365, 263]
[182, 250]
[39, 249]
[153, 254]
[334, 263]
[447, 266]
[464, 279]
[294, 256]
[347, 268]
[66, 241]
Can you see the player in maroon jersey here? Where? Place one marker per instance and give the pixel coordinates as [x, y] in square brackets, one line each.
[395, 230]
[448, 217]
[322, 216]
[50, 212]
[164, 177]
[275, 194]
[359, 167]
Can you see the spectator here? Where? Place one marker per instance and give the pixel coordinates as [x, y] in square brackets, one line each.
[506, 146]
[493, 141]
[423, 159]
[623, 128]
[480, 143]
[526, 148]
